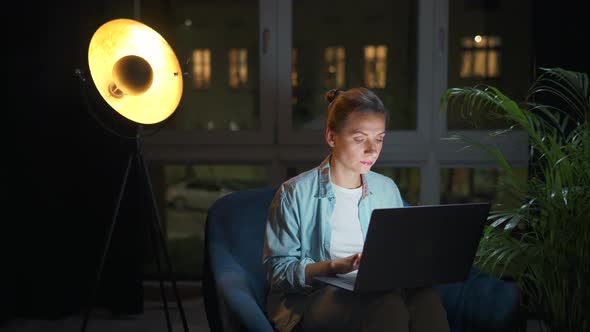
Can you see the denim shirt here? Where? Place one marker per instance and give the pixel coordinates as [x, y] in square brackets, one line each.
[298, 233]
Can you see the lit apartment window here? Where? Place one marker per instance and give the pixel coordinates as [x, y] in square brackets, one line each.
[238, 67]
[334, 62]
[294, 74]
[480, 56]
[201, 68]
[375, 66]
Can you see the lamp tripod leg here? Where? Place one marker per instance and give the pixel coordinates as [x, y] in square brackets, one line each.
[155, 247]
[160, 234]
[106, 247]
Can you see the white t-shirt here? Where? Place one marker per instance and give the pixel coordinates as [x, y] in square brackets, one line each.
[347, 237]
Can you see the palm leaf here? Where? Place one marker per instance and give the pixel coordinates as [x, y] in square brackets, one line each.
[550, 256]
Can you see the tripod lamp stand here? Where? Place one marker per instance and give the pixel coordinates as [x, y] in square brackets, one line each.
[137, 73]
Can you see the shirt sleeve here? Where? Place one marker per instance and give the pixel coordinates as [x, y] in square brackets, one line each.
[282, 258]
[397, 201]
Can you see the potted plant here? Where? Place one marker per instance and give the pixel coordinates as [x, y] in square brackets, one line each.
[543, 242]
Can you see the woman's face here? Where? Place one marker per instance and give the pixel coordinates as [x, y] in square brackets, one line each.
[356, 147]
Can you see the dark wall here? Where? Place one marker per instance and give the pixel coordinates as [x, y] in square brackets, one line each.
[561, 33]
[66, 170]
[70, 167]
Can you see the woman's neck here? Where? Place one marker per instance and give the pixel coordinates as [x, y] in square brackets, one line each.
[344, 178]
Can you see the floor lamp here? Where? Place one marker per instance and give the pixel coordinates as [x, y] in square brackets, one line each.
[137, 73]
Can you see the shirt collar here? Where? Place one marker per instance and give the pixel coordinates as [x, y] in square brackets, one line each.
[325, 186]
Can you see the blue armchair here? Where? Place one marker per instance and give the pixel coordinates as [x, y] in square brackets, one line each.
[235, 286]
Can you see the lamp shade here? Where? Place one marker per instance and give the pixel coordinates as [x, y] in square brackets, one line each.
[135, 70]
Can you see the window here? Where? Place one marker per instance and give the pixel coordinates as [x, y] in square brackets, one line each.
[480, 56]
[489, 42]
[201, 68]
[238, 67]
[344, 44]
[294, 74]
[467, 185]
[189, 191]
[217, 45]
[407, 180]
[375, 66]
[334, 70]
[280, 57]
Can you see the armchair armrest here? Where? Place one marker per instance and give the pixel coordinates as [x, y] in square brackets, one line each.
[235, 294]
[481, 303]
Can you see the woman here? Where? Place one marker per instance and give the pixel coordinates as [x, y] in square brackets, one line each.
[317, 224]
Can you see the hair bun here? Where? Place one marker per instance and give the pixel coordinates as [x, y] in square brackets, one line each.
[332, 94]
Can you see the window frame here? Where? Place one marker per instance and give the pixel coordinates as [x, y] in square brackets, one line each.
[279, 145]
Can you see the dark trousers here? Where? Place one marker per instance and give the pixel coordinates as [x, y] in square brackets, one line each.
[335, 309]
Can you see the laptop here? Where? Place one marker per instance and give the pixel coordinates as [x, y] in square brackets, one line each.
[417, 246]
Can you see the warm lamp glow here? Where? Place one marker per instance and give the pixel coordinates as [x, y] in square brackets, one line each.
[135, 71]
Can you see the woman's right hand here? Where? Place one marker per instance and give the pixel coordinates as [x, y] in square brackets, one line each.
[336, 266]
[346, 264]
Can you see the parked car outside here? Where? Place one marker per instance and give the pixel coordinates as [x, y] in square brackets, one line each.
[197, 194]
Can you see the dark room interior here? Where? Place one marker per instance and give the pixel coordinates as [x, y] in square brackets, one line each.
[66, 170]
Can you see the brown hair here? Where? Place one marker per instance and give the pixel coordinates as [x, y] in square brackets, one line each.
[342, 103]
